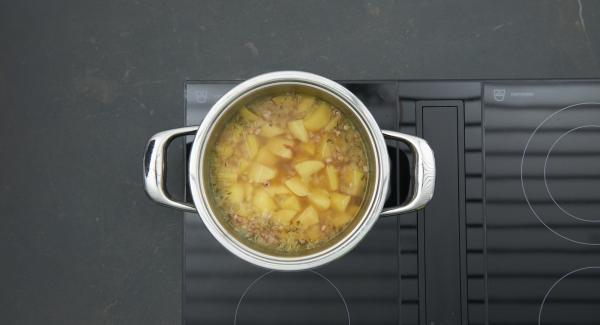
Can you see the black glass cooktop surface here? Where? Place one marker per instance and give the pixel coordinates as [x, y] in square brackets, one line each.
[542, 150]
[512, 235]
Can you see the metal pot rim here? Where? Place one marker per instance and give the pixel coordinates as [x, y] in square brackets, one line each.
[380, 171]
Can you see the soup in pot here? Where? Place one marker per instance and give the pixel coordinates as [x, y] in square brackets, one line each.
[289, 172]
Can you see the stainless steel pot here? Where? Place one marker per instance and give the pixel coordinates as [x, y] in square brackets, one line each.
[277, 83]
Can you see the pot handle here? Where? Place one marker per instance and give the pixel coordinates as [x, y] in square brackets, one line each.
[155, 165]
[424, 179]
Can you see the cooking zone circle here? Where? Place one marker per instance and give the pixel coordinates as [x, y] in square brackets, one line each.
[562, 140]
[564, 150]
[306, 297]
[575, 294]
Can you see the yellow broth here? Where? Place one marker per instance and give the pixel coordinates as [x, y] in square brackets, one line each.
[289, 172]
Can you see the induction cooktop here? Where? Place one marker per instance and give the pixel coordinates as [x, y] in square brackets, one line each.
[511, 236]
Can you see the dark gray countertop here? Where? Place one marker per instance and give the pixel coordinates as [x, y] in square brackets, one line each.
[83, 85]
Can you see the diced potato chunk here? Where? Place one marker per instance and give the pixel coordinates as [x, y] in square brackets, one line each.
[307, 218]
[251, 146]
[353, 180]
[236, 193]
[339, 201]
[284, 216]
[309, 167]
[308, 148]
[320, 199]
[270, 131]
[277, 190]
[263, 202]
[260, 173]
[266, 157]
[332, 177]
[281, 147]
[248, 115]
[298, 131]
[291, 202]
[305, 103]
[325, 150]
[317, 119]
[297, 186]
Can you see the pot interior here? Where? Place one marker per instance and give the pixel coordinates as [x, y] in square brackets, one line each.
[277, 89]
